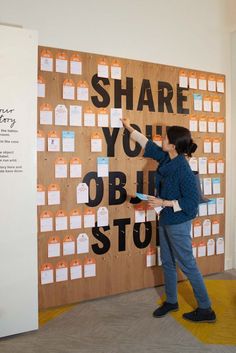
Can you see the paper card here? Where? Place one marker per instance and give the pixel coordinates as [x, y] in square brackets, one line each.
[68, 245]
[82, 91]
[202, 249]
[103, 70]
[82, 243]
[89, 268]
[40, 141]
[216, 105]
[216, 145]
[103, 166]
[150, 214]
[61, 115]
[75, 270]
[75, 168]
[220, 166]
[151, 257]
[53, 141]
[46, 273]
[60, 168]
[75, 115]
[206, 227]
[157, 139]
[46, 60]
[75, 65]
[203, 124]
[103, 118]
[89, 118]
[211, 206]
[211, 166]
[211, 125]
[215, 227]
[193, 124]
[193, 162]
[61, 271]
[75, 219]
[183, 79]
[41, 87]
[207, 145]
[194, 248]
[197, 229]
[211, 83]
[54, 247]
[202, 209]
[202, 83]
[96, 143]
[45, 114]
[89, 218]
[220, 125]
[216, 185]
[115, 71]
[220, 205]
[41, 200]
[191, 231]
[102, 217]
[197, 99]
[68, 91]
[202, 165]
[46, 221]
[193, 80]
[159, 262]
[116, 116]
[220, 246]
[207, 104]
[211, 247]
[207, 186]
[139, 214]
[61, 62]
[61, 220]
[82, 193]
[220, 85]
[68, 141]
[53, 194]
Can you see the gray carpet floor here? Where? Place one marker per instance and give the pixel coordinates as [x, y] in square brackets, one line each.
[118, 324]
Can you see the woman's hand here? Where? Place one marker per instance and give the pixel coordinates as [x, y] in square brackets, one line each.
[126, 123]
[154, 202]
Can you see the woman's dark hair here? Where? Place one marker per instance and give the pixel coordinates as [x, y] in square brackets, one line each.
[181, 138]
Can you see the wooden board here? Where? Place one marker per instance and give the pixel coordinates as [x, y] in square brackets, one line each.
[122, 267]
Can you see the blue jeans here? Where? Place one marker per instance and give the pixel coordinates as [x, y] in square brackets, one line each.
[176, 246]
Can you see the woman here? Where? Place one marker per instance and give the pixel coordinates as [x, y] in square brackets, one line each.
[178, 195]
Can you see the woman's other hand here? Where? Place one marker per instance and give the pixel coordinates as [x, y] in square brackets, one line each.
[154, 202]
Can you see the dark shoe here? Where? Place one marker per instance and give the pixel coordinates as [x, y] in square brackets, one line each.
[165, 308]
[201, 315]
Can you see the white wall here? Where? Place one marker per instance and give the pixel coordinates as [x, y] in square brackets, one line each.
[18, 212]
[188, 33]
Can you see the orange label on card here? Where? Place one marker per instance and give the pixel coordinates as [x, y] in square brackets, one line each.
[89, 261]
[193, 74]
[95, 136]
[46, 107]
[89, 211]
[60, 160]
[157, 138]
[211, 78]
[53, 187]
[68, 238]
[47, 266]
[75, 212]
[46, 53]
[197, 223]
[46, 214]
[61, 56]
[75, 57]
[151, 250]
[61, 213]
[54, 240]
[40, 133]
[61, 264]
[53, 134]
[82, 84]
[183, 73]
[69, 83]
[40, 188]
[75, 160]
[75, 262]
[41, 80]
